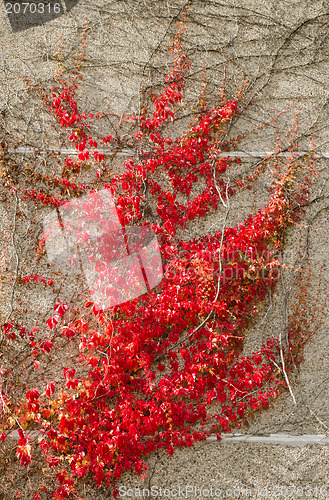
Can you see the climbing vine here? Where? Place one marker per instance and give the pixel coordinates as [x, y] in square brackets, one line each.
[164, 369]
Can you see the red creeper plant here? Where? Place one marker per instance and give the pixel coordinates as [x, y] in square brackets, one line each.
[148, 375]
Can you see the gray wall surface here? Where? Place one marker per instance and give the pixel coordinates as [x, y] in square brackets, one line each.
[282, 47]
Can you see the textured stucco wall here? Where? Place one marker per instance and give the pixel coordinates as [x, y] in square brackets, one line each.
[282, 47]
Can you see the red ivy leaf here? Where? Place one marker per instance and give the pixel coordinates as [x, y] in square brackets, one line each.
[50, 389]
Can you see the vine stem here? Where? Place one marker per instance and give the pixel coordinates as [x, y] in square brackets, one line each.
[17, 265]
[227, 206]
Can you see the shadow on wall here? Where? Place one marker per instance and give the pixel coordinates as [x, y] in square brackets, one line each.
[24, 15]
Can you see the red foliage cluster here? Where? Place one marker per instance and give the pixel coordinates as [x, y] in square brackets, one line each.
[151, 373]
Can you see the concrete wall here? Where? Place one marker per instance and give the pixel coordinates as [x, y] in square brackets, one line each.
[282, 47]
